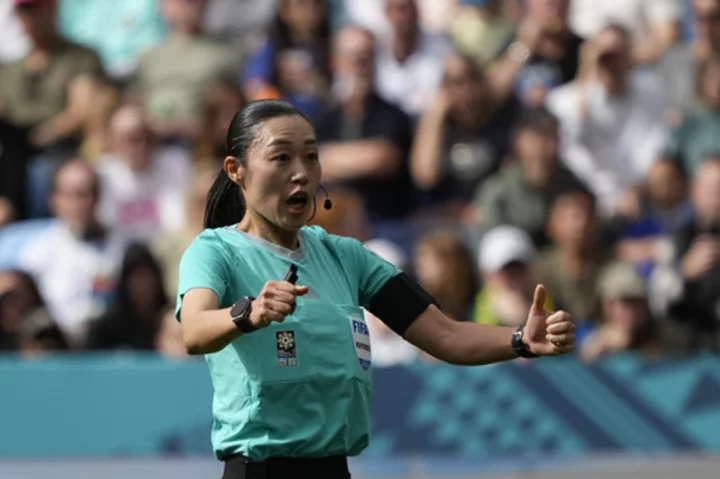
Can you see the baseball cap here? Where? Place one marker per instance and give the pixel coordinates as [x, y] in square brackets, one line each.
[504, 245]
[621, 280]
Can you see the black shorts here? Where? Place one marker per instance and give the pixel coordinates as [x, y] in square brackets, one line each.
[240, 467]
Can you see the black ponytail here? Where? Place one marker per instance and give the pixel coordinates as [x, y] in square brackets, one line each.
[225, 202]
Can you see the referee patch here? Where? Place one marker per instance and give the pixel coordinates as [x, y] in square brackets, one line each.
[285, 342]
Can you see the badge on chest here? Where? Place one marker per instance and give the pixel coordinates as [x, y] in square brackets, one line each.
[285, 345]
[361, 340]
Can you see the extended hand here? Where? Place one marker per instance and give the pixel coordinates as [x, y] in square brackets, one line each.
[547, 333]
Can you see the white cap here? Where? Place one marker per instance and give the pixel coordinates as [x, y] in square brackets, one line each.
[389, 251]
[504, 245]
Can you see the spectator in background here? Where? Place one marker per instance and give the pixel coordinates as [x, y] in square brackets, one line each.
[627, 322]
[707, 29]
[134, 320]
[388, 348]
[544, 54]
[612, 120]
[293, 63]
[222, 100]
[143, 183]
[521, 193]
[461, 139]
[505, 258]
[35, 90]
[445, 269]
[408, 60]
[119, 30]
[365, 140]
[481, 31]
[169, 248]
[173, 76]
[19, 296]
[689, 281]
[570, 268]
[654, 24]
[697, 135]
[663, 209]
[75, 260]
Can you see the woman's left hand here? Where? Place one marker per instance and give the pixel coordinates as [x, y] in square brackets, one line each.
[548, 333]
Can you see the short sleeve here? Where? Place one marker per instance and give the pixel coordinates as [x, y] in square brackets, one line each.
[203, 265]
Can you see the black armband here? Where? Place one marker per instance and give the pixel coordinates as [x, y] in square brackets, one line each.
[399, 302]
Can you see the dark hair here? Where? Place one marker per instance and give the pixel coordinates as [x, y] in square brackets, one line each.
[574, 191]
[535, 119]
[225, 202]
[281, 37]
[138, 256]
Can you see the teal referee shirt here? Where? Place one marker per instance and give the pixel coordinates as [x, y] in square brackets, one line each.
[300, 388]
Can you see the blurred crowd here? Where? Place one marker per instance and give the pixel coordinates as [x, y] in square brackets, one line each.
[481, 145]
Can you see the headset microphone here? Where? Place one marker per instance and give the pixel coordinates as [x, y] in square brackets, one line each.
[327, 204]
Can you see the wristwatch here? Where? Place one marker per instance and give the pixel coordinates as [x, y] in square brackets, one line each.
[240, 314]
[519, 346]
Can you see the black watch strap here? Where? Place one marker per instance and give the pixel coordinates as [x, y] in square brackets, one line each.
[240, 314]
[518, 345]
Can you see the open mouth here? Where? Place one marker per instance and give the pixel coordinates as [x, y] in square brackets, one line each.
[298, 201]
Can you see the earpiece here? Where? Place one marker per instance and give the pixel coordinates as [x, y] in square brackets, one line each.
[327, 204]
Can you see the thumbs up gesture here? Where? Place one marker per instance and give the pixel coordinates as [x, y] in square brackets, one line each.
[548, 333]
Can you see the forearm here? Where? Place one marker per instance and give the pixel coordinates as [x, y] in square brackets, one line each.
[460, 343]
[360, 159]
[478, 344]
[662, 38]
[502, 75]
[208, 331]
[425, 158]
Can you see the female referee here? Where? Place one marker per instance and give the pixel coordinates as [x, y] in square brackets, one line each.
[290, 362]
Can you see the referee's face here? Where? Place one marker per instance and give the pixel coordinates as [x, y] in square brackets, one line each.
[282, 172]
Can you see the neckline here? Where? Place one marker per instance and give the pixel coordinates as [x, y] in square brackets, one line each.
[293, 255]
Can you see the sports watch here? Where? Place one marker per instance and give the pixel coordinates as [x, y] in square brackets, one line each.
[240, 314]
[520, 348]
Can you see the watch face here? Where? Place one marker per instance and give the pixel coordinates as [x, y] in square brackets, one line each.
[239, 308]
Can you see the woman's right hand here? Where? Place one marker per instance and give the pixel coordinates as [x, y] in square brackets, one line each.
[275, 302]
